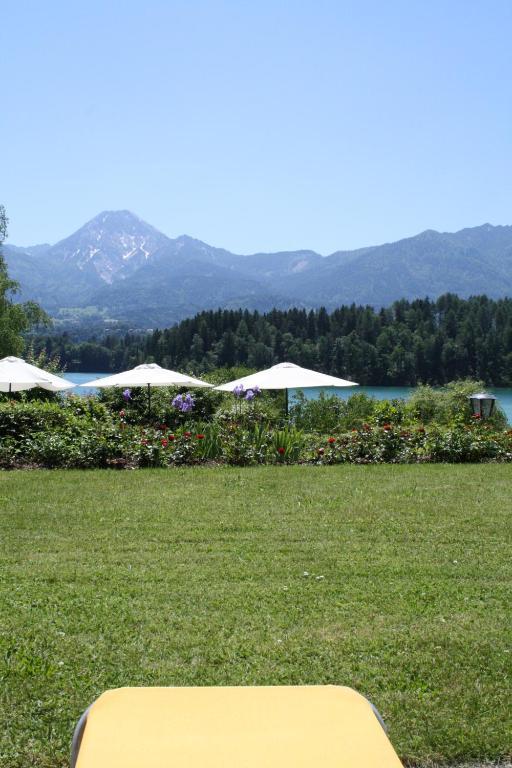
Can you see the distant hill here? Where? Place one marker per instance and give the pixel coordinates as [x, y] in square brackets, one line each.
[122, 269]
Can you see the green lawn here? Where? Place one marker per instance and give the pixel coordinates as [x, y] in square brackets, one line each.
[198, 577]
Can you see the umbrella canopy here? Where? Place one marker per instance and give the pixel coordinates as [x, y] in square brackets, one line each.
[286, 376]
[147, 374]
[16, 375]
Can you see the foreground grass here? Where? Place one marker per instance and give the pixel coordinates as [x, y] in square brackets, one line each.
[197, 577]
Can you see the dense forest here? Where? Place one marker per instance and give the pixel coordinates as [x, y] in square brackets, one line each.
[408, 343]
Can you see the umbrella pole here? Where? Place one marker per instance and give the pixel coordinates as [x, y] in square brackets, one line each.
[149, 400]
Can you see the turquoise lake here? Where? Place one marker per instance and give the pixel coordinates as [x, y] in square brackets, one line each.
[504, 395]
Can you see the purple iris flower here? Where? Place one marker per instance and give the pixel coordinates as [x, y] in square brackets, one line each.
[238, 391]
[183, 403]
[127, 394]
[252, 393]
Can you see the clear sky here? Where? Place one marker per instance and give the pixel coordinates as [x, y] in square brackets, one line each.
[261, 125]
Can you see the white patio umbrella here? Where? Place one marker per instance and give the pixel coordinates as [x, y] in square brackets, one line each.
[17, 375]
[286, 376]
[147, 375]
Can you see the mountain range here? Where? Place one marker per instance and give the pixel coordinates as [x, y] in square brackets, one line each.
[117, 269]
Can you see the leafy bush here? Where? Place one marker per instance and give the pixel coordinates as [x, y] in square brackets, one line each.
[328, 413]
[467, 445]
[371, 445]
[73, 432]
[323, 414]
[245, 446]
[261, 410]
[449, 405]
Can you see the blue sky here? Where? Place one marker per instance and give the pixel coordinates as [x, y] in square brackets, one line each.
[257, 126]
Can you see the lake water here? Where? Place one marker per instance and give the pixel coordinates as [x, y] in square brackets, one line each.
[504, 395]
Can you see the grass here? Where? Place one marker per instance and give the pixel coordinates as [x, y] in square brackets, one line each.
[198, 577]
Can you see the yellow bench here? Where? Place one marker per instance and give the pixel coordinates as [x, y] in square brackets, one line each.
[261, 727]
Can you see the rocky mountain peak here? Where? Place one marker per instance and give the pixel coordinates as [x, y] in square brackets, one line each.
[114, 244]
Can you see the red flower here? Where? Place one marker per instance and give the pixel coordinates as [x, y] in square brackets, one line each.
[164, 442]
[200, 437]
[144, 442]
[187, 434]
[331, 440]
[171, 437]
[366, 427]
[122, 413]
[476, 416]
[280, 450]
[320, 451]
[386, 427]
[163, 427]
[421, 429]
[353, 429]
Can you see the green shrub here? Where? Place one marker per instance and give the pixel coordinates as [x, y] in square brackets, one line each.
[389, 412]
[261, 410]
[449, 405]
[327, 413]
[470, 444]
[24, 418]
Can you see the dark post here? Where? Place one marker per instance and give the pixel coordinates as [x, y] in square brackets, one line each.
[482, 404]
[149, 400]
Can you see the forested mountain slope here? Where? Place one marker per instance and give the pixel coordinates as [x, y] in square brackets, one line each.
[119, 269]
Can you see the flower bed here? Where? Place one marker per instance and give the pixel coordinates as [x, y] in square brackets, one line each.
[82, 433]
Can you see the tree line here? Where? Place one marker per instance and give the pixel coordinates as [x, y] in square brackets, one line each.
[410, 342]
